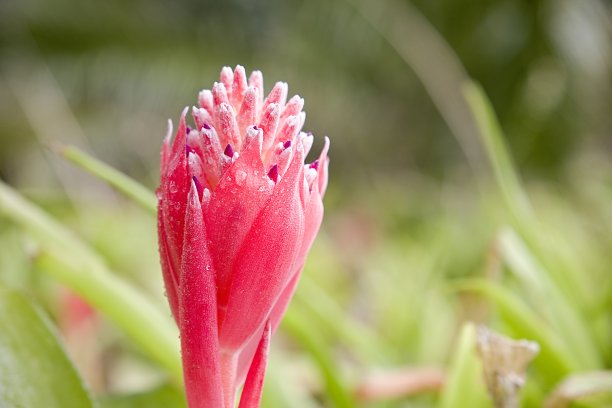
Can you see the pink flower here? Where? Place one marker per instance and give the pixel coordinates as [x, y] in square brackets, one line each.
[238, 211]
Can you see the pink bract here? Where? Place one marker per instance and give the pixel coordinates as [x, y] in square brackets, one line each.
[238, 211]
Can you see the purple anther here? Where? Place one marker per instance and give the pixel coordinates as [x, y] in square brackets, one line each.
[188, 149]
[255, 127]
[198, 187]
[287, 144]
[314, 165]
[206, 126]
[229, 152]
[187, 130]
[273, 173]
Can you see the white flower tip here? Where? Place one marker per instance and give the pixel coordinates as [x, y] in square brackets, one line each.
[206, 196]
[169, 130]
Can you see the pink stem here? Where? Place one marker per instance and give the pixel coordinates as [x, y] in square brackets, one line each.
[229, 368]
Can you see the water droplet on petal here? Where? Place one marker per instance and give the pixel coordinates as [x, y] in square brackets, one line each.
[240, 177]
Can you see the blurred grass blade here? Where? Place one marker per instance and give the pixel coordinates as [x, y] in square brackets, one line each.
[124, 184]
[434, 62]
[279, 392]
[329, 314]
[77, 266]
[574, 330]
[34, 370]
[497, 151]
[555, 360]
[521, 213]
[464, 386]
[580, 386]
[164, 396]
[305, 334]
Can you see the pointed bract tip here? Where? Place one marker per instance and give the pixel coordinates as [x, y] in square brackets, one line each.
[273, 173]
[188, 149]
[169, 129]
[198, 186]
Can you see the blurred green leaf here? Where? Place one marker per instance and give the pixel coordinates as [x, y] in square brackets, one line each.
[73, 263]
[565, 319]
[303, 332]
[126, 185]
[521, 213]
[164, 396]
[580, 386]
[555, 360]
[34, 370]
[464, 386]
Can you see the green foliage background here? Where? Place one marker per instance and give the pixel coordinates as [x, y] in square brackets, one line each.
[409, 216]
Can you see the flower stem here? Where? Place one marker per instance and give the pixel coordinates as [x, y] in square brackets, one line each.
[229, 368]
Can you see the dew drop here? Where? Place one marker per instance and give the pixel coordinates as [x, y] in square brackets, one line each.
[240, 177]
[173, 187]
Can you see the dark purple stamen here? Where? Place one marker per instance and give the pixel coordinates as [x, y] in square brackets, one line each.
[206, 126]
[198, 187]
[314, 165]
[229, 152]
[287, 144]
[273, 173]
[255, 127]
[187, 129]
[188, 149]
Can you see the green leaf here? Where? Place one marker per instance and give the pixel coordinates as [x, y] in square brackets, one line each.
[464, 386]
[34, 370]
[522, 216]
[581, 386]
[301, 331]
[164, 396]
[69, 260]
[555, 360]
[124, 184]
[558, 311]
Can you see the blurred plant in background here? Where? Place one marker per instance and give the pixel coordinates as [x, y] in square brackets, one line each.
[428, 224]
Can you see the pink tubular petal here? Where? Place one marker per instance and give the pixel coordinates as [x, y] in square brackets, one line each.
[198, 315]
[201, 117]
[251, 393]
[293, 107]
[227, 79]
[228, 126]
[205, 98]
[256, 81]
[277, 95]
[269, 124]
[290, 128]
[248, 110]
[239, 86]
[196, 168]
[219, 94]
[211, 156]
[264, 263]
[241, 193]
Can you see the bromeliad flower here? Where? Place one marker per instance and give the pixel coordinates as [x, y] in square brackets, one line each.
[238, 211]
